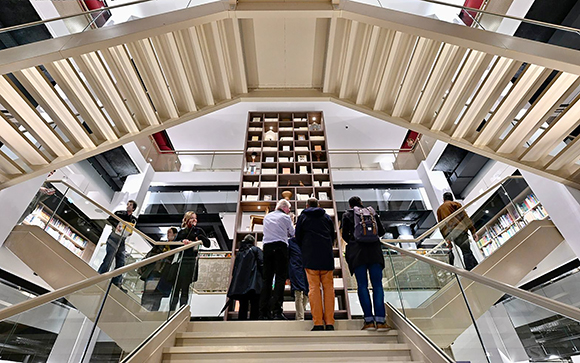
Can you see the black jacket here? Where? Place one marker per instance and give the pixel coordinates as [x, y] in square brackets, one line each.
[296, 273]
[247, 273]
[189, 267]
[358, 254]
[315, 236]
[122, 214]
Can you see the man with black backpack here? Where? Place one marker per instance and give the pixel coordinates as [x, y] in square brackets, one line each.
[361, 230]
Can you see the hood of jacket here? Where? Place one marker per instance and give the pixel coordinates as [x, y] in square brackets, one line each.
[314, 212]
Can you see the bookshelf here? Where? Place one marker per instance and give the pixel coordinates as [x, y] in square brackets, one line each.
[524, 209]
[61, 231]
[286, 154]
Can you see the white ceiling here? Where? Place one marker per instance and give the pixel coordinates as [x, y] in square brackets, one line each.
[225, 129]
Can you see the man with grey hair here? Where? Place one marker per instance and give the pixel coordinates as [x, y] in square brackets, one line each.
[277, 228]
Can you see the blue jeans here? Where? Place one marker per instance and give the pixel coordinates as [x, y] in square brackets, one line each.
[115, 250]
[376, 273]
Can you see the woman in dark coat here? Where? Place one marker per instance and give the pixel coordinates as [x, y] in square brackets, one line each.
[189, 233]
[363, 258]
[246, 282]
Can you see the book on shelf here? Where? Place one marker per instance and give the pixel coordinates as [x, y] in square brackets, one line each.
[255, 129]
[302, 158]
[271, 119]
[316, 183]
[302, 128]
[300, 196]
[303, 169]
[329, 211]
[325, 183]
[268, 148]
[255, 138]
[267, 197]
[253, 148]
[286, 138]
[268, 171]
[286, 171]
[247, 184]
[285, 129]
[269, 159]
[283, 159]
[317, 138]
[301, 148]
[322, 196]
[285, 147]
[317, 147]
[268, 184]
[251, 197]
[257, 119]
[299, 118]
[316, 171]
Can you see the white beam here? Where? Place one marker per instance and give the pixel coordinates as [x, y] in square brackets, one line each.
[69, 81]
[349, 51]
[102, 84]
[36, 83]
[552, 97]
[130, 85]
[371, 53]
[19, 144]
[29, 117]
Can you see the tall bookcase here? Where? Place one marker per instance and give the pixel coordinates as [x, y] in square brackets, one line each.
[286, 154]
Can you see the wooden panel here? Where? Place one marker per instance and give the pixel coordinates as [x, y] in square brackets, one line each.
[19, 144]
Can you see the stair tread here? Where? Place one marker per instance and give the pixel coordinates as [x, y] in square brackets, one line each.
[288, 348]
[293, 360]
[283, 334]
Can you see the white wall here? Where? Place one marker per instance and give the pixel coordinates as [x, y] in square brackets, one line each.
[375, 176]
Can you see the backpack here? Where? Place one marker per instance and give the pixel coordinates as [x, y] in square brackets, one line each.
[365, 225]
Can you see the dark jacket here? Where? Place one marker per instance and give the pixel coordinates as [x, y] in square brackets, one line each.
[247, 273]
[189, 268]
[122, 214]
[296, 273]
[358, 254]
[315, 236]
[154, 269]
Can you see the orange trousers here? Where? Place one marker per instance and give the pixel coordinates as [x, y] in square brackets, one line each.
[315, 279]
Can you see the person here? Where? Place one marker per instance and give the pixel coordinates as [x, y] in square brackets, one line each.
[298, 281]
[187, 274]
[315, 236]
[116, 242]
[455, 230]
[246, 282]
[154, 288]
[277, 228]
[365, 257]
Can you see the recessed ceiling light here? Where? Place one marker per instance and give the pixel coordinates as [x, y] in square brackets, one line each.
[149, 160]
[88, 229]
[259, 207]
[486, 211]
[314, 118]
[143, 147]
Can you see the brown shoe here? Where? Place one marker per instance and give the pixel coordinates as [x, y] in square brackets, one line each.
[383, 327]
[369, 326]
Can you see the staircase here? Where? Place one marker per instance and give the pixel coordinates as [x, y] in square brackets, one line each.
[284, 341]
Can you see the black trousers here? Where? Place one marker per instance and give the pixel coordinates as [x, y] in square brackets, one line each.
[250, 300]
[275, 263]
[462, 241]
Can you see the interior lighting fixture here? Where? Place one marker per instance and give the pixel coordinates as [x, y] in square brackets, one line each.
[486, 211]
[314, 118]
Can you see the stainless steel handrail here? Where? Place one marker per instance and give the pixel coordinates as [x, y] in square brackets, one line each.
[531, 21]
[70, 289]
[542, 301]
[40, 22]
[452, 215]
[126, 224]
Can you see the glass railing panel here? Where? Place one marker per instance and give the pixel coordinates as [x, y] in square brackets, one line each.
[567, 37]
[528, 332]
[430, 297]
[57, 331]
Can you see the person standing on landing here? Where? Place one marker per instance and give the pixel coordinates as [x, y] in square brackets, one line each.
[116, 241]
[361, 230]
[298, 281]
[455, 230]
[315, 236]
[277, 228]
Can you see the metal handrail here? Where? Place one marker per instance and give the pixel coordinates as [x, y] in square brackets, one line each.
[484, 12]
[70, 289]
[40, 22]
[452, 215]
[125, 224]
[539, 300]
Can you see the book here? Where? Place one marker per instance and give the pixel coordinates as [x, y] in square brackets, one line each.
[286, 138]
[322, 196]
[303, 169]
[317, 147]
[286, 171]
[255, 138]
[325, 183]
[268, 171]
[283, 159]
[301, 137]
[267, 197]
[268, 184]
[302, 158]
[286, 148]
[301, 148]
[269, 159]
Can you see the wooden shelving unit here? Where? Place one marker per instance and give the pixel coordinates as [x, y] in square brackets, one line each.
[510, 220]
[287, 152]
[60, 230]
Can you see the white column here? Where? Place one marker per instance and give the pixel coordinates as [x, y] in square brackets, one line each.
[72, 339]
[562, 204]
[135, 188]
[435, 184]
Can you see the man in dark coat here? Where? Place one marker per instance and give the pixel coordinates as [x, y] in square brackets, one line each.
[315, 236]
[366, 258]
[297, 275]
[246, 283]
